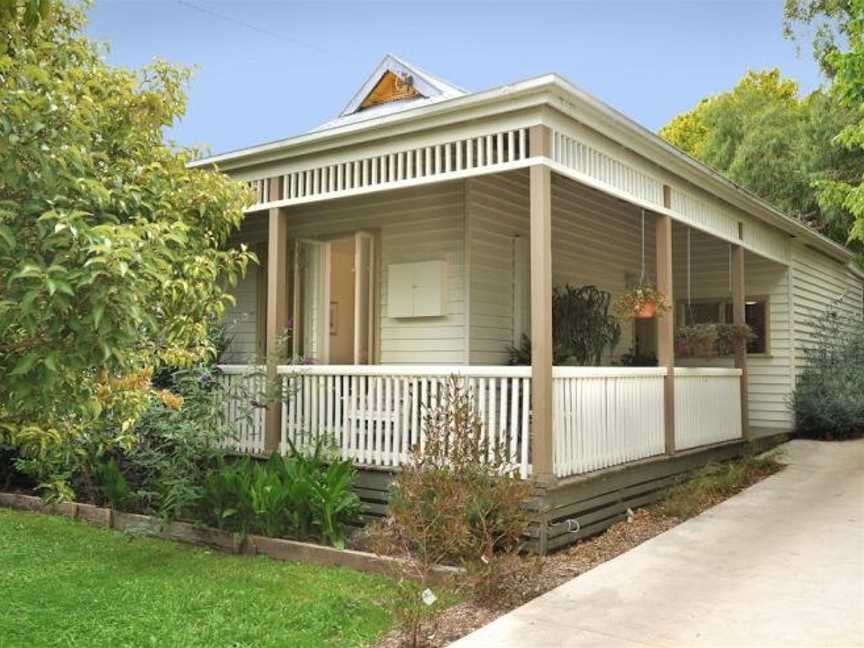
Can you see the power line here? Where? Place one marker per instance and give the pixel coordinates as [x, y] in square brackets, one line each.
[280, 37]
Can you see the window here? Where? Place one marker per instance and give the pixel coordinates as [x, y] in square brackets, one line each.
[710, 311]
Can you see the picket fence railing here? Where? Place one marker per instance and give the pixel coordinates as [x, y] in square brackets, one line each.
[374, 415]
[245, 388]
[707, 406]
[605, 416]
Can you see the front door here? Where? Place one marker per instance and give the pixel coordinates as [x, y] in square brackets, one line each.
[312, 301]
[317, 283]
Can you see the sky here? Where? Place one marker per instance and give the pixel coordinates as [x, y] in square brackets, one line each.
[269, 70]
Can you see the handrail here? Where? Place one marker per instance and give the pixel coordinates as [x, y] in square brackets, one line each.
[470, 371]
[708, 371]
[478, 371]
[607, 372]
[234, 369]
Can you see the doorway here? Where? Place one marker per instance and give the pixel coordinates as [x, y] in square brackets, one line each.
[334, 299]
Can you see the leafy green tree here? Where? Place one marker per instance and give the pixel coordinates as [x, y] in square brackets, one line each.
[113, 256]
[26, 13]
[838, 45]
[764, 136]
[826, 23]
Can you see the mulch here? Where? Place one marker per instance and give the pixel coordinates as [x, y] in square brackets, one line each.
[558, 568]
[640, 525]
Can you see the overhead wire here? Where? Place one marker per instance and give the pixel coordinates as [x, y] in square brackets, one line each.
[282, 38]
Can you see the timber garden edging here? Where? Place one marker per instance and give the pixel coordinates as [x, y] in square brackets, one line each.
[251, 545]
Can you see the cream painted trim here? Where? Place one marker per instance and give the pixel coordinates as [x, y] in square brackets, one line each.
[588, 181]
[790, 316]
[707, 371]
[547, 90]
[558, 168]
[584, 108]
[380, 147]
[261, 302]
[532, 93]
[464, 196]
[402, 184]
[542, 421]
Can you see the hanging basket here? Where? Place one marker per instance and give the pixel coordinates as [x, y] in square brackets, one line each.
[647, 311]
[642, 302]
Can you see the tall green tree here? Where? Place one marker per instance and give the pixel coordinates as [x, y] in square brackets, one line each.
[113, 255]
[838, 44]
[824, 22]
[766, 137]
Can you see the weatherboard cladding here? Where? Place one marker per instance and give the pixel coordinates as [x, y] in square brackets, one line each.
[769, 374]
[474, 223]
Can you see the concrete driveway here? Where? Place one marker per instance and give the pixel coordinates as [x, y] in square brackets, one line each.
[781, 564]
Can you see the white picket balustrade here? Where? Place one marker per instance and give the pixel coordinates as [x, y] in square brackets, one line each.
[602, 416]
[707, 406]
[375, 414]
[245, 388]
[605, 416]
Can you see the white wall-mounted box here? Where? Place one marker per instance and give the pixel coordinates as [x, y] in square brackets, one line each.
[417, 289]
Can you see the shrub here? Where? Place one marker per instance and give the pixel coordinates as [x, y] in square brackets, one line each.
[827, 400]
[178, 440]
[582, 328]
[163, 453]
[9, 474]
[307, 496]
[113, 486]
[714, 483]
[458, 500]
[320, 499]
[114, 252]
[226, 500]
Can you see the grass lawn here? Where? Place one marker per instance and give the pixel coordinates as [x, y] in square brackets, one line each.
[63, 583]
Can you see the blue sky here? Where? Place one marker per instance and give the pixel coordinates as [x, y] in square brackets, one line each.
[267, 70]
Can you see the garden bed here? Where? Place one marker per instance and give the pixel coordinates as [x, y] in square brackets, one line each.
[706, 488]
[276, 548]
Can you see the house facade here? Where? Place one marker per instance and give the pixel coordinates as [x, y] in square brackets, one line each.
[420, 234]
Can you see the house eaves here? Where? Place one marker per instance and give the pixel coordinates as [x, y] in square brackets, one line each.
[549, 90]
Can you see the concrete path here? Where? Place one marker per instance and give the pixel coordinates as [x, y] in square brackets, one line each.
[781, 564]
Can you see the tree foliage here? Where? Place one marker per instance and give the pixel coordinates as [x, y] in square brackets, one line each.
[837, 31]
[766, 137]
[112, 251]
[848, 90]
[826, 23]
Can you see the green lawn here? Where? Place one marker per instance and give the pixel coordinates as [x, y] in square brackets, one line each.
[63, 583]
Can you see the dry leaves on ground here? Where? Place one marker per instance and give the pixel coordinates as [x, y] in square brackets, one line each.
[708, 487]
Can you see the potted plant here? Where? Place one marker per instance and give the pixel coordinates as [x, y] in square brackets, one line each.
[697, 340]
[641, 302]
[733, 337]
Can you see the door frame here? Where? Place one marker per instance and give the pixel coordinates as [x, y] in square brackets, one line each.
[324, 355]
[359, 237]
[373, 235]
